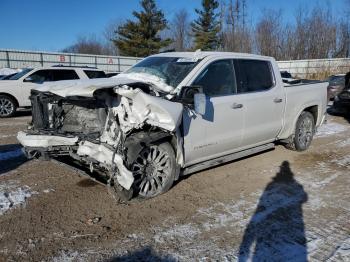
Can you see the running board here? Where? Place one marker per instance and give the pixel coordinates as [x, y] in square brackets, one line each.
[227, 158]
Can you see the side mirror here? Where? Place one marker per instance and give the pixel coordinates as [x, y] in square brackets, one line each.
[194, 96]
[187, 93]
[29, 79]
[200, 103]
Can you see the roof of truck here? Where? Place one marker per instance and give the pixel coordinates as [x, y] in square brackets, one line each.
[201, 54]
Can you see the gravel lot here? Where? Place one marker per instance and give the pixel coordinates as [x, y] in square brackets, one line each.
[279, 205]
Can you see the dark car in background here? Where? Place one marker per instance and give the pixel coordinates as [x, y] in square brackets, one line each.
[342, 100]
[336, 84]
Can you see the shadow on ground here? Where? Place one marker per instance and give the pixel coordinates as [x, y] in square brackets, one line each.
[11, 157]
[276, 229]
[146, 254]
[23, 112]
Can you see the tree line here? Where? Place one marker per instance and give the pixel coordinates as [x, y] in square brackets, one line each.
[224, 25]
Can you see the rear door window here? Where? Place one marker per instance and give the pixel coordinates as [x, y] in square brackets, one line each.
[253, 75]
[95, 74]
[64, 74]
[217, 79]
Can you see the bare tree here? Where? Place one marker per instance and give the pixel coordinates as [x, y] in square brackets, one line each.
[180, 28]
[230, 38]
[343, 40]
[109, 34]
[236, 36]
[268, 34]
[321, 34]
[314, 35]
[92, 44]
[86, 45]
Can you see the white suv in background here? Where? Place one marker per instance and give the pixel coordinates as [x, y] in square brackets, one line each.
[15, 91]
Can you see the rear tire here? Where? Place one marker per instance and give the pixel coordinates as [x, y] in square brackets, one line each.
[154, 170]
[304, 132]
[8, 106]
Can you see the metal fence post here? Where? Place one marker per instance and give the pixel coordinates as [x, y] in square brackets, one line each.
[118, 64]
[41, 59]
[7, 59]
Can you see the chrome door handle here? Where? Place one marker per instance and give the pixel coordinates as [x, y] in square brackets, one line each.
[278, 100]
[236, 106]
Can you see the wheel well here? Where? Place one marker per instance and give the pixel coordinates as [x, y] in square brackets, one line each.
[135, 142]
[14, 99]
[314, 111]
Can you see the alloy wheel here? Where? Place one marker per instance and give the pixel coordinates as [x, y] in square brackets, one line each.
[152, 171]
[6, 107]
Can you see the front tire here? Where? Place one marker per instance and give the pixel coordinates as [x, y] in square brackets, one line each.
[304, 132]
[154, 170]
[8, 106]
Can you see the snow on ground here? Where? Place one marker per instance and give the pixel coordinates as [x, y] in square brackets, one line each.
[271, 222]
[342, 253]
[12, 195]
[6, 136]
[7, 155]
[330, 128]
[9, 71]
[344, 143]
[343, 161]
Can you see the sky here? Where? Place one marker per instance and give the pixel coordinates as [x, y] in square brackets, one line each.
[51, 25]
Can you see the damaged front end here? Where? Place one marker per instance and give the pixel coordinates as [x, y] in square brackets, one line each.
[121, 133]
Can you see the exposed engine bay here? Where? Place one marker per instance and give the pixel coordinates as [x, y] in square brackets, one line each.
[106, 129]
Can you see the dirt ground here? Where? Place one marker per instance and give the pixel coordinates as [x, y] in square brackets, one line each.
[276, 206]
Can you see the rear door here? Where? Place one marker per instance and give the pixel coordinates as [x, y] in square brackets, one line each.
[263, 101]
[220, 129]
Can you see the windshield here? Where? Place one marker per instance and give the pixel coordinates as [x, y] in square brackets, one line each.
[7, 77]
[172, 70]
[20, 74]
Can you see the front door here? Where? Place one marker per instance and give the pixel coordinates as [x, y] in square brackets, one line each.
[219, 131]
[33, 81]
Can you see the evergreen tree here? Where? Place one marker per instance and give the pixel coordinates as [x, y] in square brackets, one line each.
[141, 37]
[207, 27]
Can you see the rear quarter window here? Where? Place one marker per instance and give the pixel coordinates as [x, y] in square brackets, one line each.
[95, 74]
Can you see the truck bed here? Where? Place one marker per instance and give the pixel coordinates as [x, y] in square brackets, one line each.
[300, 96]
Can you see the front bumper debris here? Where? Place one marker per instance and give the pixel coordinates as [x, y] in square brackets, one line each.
[85, 149]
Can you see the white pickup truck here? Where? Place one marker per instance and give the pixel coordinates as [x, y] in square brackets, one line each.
[172, 114]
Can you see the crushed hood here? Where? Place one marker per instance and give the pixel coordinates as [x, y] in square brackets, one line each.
[137, 108]
[86, 88]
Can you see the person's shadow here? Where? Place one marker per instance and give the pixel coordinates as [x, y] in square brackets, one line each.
[276, 230]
